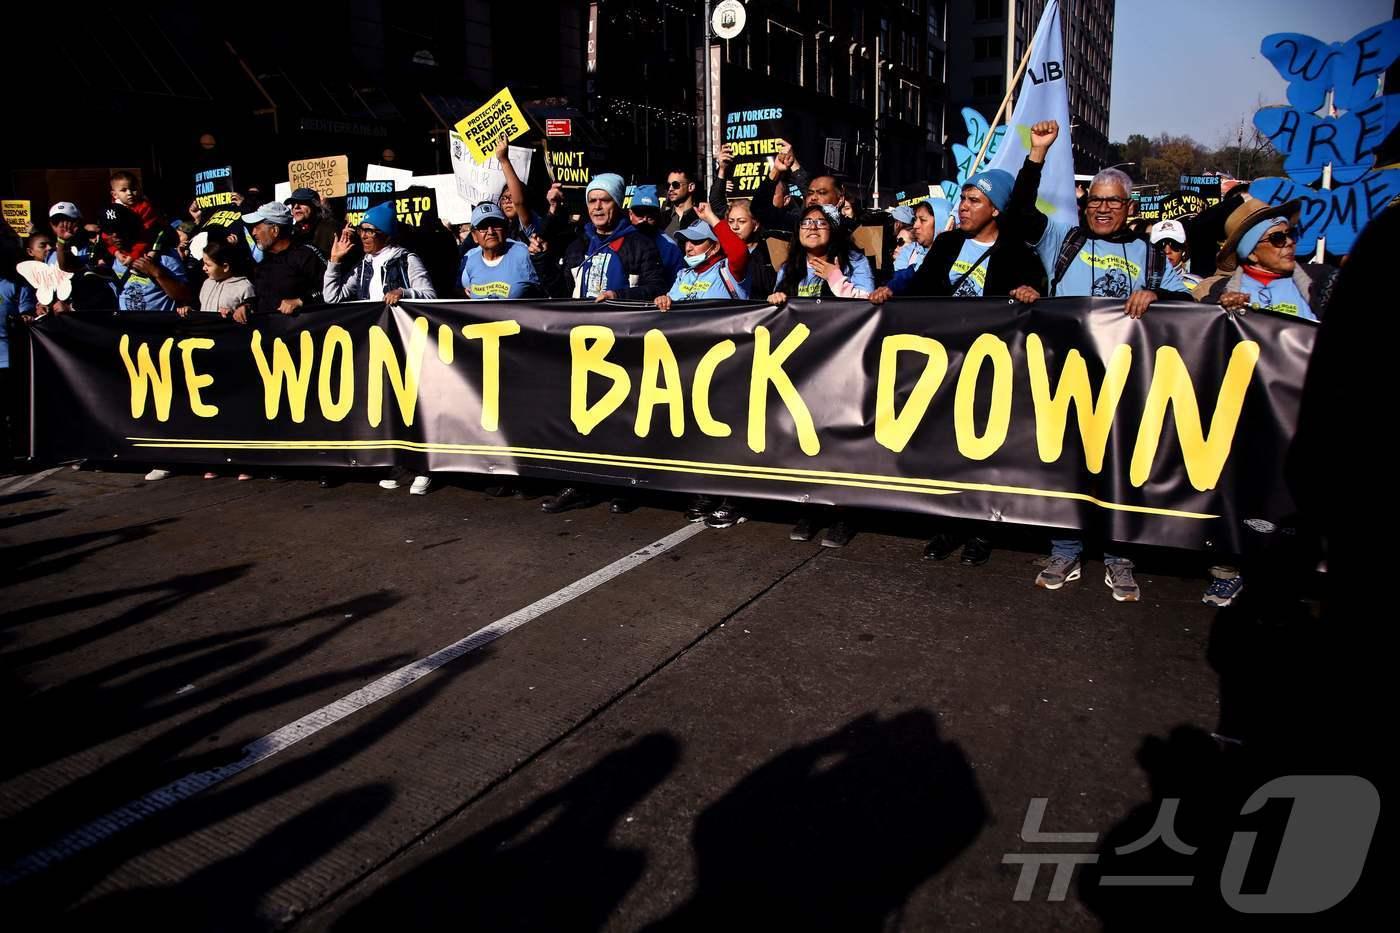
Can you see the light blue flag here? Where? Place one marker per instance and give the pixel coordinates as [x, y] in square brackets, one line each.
[1044, 95]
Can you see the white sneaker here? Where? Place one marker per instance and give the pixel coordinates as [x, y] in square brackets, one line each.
[388, 484]
[420, 485]
[155, 475]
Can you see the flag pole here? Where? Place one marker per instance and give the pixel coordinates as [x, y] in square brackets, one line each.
[996, 120]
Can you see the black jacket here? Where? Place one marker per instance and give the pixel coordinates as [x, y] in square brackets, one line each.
[293, 273]
[1011, 265]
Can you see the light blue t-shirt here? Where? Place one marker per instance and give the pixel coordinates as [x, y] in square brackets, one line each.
[143, 294]
[970, 257]
[1280, 295]
[81, 253]
[15, 298]
[860, 277]
[512, 277]
[715, 282]
[1102, 269]
[911, 257]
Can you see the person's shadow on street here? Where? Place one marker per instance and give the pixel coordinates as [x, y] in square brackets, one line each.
[835, 834]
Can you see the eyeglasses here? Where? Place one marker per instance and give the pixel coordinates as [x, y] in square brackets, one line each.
[1171, 244]
[814, 224]
[675, 184]
[1113, 202]
[370, 231]
[1282, 238]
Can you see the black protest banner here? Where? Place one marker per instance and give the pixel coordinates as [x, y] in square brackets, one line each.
[1170, 430]
[360, 196]
[416, 206]
[755, 136]
[1207, 186]
[1182, 204]
[213, 187]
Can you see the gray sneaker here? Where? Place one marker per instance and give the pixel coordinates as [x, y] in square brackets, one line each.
[1058, 572]
[1119, 576]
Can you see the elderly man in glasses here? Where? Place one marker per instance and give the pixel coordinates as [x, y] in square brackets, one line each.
[1101, 258]
[1258, 265]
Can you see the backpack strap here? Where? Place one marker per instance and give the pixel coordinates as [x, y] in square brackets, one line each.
[1156, 268]
[724, 279]
[1069, 249]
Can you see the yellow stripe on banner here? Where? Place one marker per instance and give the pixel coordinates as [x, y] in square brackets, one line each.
[698, 467]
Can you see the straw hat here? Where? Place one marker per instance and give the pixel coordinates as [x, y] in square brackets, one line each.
[1245, 216]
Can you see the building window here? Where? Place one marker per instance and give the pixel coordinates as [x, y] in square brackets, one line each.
[912, 99]
[988, 86]
[935, 18]
[988, 9]
[935, 64]
[987, 48]
[784, 53]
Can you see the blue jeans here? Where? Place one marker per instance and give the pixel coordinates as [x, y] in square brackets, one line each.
[1072, 547]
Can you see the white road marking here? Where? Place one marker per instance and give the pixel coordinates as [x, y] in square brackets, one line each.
[16, 483]
[284, 738]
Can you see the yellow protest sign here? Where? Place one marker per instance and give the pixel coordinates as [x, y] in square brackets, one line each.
[17, 216]
[483, 127]
[326, 175]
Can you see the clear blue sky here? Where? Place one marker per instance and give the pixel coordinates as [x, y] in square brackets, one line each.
[1193, 68]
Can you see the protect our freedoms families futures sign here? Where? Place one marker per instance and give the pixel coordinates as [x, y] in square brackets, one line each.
[483, 128]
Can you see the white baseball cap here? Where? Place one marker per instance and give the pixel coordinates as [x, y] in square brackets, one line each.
[1168, 230]
[66, 209]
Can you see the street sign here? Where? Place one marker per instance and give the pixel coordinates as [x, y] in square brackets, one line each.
[728, 19]
[558, 127]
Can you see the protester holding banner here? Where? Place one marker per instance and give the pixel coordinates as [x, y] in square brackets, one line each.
[497, 267]
[610, 259]
[387, 272]
[645, 214]
[821, 262]
[1170, 237]
[760, 275]
[312, 221]
[146, 281]
[716, 262]
[289, 275]
[1100, 258]
[1258, 267]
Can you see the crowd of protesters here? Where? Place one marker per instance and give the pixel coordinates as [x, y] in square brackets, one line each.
[796, 237]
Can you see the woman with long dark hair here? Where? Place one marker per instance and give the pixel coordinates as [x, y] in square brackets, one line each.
[819, 263]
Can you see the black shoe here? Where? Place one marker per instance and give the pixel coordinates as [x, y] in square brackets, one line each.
[976, 552]
[940, 546]
[805, 530]
[570, 497]
[700, 509]
[838, 535]
[497, 491]
[621, 506]
[726, 516]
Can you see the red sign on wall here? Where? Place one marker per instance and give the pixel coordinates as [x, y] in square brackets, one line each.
[558, 127]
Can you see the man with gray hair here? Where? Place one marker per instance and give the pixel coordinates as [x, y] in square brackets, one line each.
[1100, 258]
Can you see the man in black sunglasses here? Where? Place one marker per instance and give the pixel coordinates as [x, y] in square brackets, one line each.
[680, 200]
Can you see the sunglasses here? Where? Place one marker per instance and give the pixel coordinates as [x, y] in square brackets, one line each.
[1106, 202]
[1282, 238]
[1171, 244]
[814, 225]
[675, 184]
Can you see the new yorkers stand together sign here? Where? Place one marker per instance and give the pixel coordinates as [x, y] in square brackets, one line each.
[1170, 430]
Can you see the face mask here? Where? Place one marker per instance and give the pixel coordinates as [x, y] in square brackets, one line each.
[695, 261]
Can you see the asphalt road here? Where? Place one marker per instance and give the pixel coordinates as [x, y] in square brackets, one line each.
[215, 722]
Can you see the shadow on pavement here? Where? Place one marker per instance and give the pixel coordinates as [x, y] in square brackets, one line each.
[551, 866]
[835, 834]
